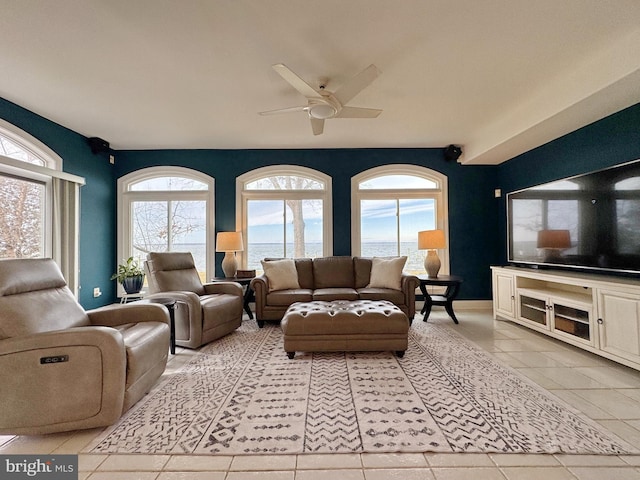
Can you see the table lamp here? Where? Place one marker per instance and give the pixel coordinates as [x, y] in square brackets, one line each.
[229, 243]
[553, 242]
[431, 240]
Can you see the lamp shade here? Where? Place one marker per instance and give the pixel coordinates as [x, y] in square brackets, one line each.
[431, 239]
[229, 242]
[554, 239]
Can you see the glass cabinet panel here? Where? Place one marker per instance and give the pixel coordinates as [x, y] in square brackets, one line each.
[533, 309]
[573, 321]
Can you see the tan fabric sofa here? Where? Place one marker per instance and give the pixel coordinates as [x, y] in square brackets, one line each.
[327, 279]
[204, 312]
[62, 368]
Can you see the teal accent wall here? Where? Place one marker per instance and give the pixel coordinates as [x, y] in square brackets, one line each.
[472, 224]
[477, 220]
[98, 200]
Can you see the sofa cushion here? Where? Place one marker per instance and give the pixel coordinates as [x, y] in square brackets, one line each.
[287, 297]
[362, 271]
[282, 274]
[389, 294]
[304, 266]
[386, 272]
[330, 294]
[333, 272]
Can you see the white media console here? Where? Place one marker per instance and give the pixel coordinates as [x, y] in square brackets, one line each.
[598, 313]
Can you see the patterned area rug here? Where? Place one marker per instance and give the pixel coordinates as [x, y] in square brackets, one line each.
[242, 395]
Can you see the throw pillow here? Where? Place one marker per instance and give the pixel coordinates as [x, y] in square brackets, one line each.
[386, 272]
[282, 274]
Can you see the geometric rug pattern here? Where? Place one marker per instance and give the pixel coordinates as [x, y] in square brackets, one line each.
[242, 395]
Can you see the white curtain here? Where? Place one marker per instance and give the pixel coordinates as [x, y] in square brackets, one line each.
[66, 229]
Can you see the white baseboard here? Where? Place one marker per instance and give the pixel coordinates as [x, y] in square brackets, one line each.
[465, 305]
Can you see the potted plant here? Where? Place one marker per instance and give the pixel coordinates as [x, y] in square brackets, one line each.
[130, 275]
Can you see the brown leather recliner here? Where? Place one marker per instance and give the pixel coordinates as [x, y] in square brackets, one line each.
[62, 368]
[204, 312]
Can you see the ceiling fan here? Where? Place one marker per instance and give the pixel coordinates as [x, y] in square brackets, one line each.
[323, 104]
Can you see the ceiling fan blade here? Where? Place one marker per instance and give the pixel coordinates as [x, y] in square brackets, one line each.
[317, 125]
[357, 112]
[284, 110]
[355, 85]
[296, 82]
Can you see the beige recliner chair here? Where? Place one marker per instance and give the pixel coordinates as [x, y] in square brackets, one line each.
[62, 368]
[204, 312]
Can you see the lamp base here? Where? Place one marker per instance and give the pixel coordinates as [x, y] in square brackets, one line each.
[229, 264]
[432, 264]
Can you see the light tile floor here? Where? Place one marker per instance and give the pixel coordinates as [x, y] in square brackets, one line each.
[604, 391]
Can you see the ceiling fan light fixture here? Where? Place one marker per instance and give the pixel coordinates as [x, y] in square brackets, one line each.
[322, 111]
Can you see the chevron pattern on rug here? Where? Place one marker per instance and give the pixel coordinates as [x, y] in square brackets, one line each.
[242, 395]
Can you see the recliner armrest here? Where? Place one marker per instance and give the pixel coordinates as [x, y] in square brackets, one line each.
[188, 310]
[136, 312]
[61, 380]
[103, 337]
[231, 288]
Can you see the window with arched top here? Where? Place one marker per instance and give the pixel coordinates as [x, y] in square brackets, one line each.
[39, 203]
[167, 209]
[284, 212]
[390, 205]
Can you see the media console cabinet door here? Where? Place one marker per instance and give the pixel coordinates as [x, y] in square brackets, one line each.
[504, 295]
[619, 324]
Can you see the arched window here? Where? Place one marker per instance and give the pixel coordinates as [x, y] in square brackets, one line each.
[284, 211]
[167, 209]
[38, 203]
[390, 205]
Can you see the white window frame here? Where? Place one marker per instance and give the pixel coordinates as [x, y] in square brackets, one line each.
[30, 172]
[243, 196]
[127, 197]
[439, 194]
[64, 247]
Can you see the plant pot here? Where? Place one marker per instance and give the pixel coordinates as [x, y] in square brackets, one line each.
[133, 284]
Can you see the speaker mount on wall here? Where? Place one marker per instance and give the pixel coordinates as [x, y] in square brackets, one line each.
[452, 153]
[98, 145]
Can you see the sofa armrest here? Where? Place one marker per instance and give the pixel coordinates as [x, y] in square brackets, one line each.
[230, 288]
[61, 380]
[260, 287]
[408, 284]
[114, 315]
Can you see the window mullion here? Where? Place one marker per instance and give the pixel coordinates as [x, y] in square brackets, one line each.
[284, 226]
[169, 229]
[397, 226]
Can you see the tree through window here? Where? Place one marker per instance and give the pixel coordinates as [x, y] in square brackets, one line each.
[166, 209]
[23, 197]
[285, 213]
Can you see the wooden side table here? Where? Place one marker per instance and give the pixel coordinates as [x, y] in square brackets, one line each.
[248, 293]
[452, 283]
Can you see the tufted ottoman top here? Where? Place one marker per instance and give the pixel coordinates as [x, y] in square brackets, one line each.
[341, 317]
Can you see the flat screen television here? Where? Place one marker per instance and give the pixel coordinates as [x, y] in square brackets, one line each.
[587, 222]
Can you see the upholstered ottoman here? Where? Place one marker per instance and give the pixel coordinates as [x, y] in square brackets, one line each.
[345, 325]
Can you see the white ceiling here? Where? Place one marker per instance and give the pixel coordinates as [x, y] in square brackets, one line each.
[498, 77]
